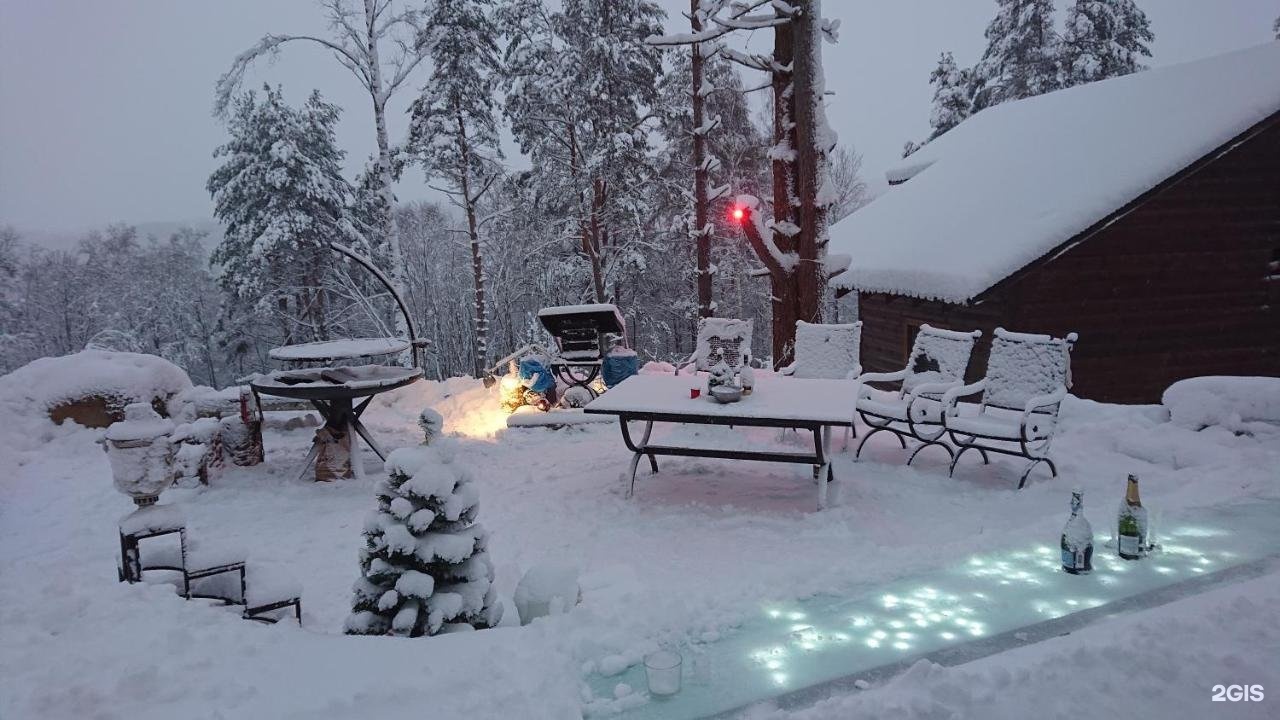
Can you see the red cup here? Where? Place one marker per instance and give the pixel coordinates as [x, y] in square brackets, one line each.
[695, 393]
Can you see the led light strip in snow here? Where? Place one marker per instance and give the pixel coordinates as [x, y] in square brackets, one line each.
[789, 647]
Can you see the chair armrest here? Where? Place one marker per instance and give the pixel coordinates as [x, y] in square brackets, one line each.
[882, 377]
[863, 378]
[854, 373]
[1042, 401]
[928, 388]
[954, 394]
[788, 370]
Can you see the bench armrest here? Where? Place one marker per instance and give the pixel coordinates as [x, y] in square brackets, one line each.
[950, 398]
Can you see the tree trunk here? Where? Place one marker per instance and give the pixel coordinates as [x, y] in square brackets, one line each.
[386, 219]
[783, 280]
[701, 209]
[592, 244]
[806, 102]
[477, 264]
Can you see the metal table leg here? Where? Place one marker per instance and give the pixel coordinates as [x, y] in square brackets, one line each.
[639, 451]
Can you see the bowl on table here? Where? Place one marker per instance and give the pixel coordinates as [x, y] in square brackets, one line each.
[726, 393]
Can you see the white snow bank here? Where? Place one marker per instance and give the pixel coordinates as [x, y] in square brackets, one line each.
[1239, 404]
[132, 377]
[993, 195]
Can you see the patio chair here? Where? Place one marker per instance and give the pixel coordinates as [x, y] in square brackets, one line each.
[826, 351]
[937, 363]
[829, 352]
[726, 338]
[1027, 378]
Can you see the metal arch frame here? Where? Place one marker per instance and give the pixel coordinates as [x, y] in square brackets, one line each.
[415, 343]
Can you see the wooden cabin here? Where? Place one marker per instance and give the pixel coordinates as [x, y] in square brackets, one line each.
[1141, 212]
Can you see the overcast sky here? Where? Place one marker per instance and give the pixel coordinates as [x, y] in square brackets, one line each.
[104, 106]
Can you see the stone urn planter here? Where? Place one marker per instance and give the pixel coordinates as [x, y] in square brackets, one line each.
[141, 453]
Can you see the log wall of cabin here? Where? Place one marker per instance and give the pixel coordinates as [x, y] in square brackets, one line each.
[1186, 284]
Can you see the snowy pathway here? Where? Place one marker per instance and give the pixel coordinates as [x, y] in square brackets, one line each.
[983, 604]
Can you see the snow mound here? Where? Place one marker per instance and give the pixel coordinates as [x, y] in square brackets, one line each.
[1239, 404]
[47, 382]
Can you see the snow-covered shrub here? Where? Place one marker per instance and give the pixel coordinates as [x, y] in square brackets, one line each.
[424, 564]
[1239, 404]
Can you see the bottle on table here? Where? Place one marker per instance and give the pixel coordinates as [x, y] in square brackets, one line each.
[1131, 525]
[1077, 539]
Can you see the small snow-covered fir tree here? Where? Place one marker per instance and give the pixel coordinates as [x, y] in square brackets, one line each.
[424, 566]
[952, 99]
[1102, 39]
[1021, 59]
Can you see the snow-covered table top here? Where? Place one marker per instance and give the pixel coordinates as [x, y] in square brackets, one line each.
[339, 349]
[829, 402]
[331, 383]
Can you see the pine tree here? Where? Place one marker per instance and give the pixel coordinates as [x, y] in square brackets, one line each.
[952, 100]
[424, 563]
[1275, 27]
[282, 198]
[581, 84]
[1021, 59]
[454, 131]
[1104, 38]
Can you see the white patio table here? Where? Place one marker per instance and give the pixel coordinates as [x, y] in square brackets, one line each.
[800, 404]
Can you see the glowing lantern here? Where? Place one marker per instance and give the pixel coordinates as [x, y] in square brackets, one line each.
[738, 213]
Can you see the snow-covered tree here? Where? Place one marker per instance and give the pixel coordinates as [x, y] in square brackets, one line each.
[454, 131]
[1104, 38]
[1021, 59]
[1275, 27]
[282, 198]
[581, 84]
[424, 564]
[380, 45]
[790, 237]
[952, 98]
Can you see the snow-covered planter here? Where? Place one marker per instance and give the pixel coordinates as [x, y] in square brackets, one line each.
[141, 453]
[1239, 404]
[549, 589]
[424, 565]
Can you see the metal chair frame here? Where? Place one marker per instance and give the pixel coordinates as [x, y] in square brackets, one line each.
[918, 427]
[1038, 408]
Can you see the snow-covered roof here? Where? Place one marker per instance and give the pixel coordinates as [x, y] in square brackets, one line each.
[1015, 181]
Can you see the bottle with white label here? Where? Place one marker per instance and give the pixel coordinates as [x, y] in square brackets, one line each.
[1077, 539]
[1131, 526]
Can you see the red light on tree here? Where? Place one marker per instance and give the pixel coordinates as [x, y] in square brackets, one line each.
[738, 213]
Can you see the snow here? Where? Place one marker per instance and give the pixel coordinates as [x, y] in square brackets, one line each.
[818, 400]
[1015, 181]
[31, 390]
[1238, 404]
[339, 349]
[827, 351]
[705, 546]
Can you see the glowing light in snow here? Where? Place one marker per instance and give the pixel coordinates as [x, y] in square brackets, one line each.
[947, 635]
[901, 645]
[780, 678]
[796, 616]
[873, 643]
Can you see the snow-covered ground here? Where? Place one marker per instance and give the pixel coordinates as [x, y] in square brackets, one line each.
[703, 546]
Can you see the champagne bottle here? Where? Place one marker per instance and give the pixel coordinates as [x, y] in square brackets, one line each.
[1132, 523]
[1077, 539]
